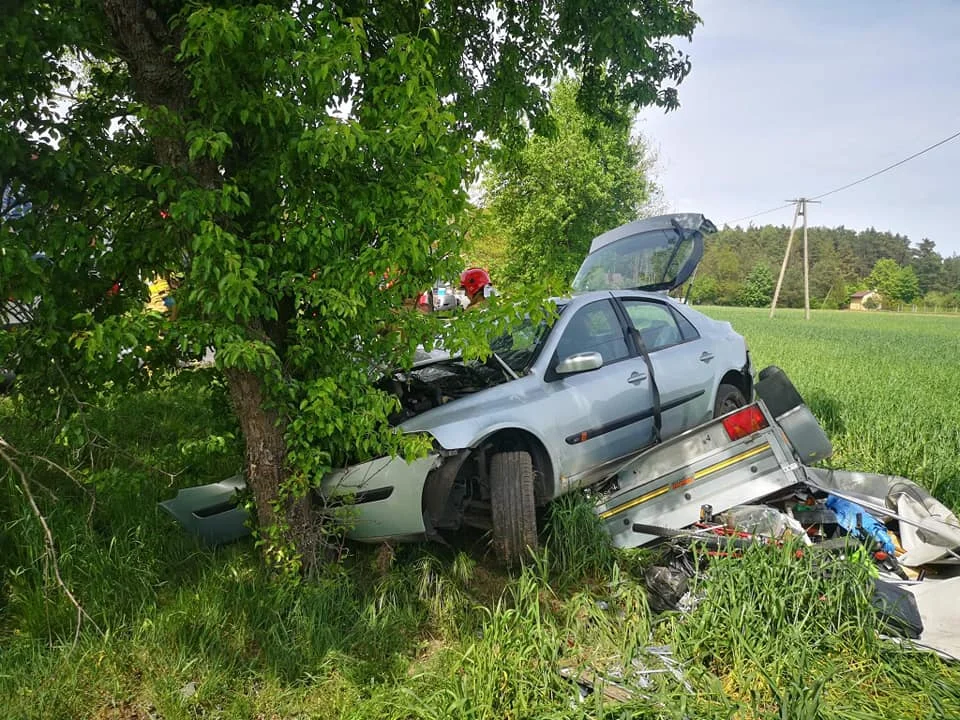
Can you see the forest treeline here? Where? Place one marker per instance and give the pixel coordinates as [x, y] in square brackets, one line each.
[740, 267]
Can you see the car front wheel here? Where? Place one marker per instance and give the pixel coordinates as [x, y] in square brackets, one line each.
[512, 505]
[729, 398]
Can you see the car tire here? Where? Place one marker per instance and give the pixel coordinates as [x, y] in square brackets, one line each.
[512, 505]
[729, 398]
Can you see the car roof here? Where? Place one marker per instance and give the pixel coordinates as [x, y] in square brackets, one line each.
[588, 296]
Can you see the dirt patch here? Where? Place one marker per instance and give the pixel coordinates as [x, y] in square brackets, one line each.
[121, 711]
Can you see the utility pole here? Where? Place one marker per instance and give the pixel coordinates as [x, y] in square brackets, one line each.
[799, 209]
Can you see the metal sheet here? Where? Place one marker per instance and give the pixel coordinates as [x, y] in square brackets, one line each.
[937, 602]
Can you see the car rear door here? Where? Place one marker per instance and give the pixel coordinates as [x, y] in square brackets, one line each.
[604, 414]
[683, 362]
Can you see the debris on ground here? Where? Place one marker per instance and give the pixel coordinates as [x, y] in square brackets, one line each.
[743, 480]
[917, 565]
[620, 682]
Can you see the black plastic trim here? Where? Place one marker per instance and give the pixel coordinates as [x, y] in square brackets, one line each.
[591, 433]
[364, 496]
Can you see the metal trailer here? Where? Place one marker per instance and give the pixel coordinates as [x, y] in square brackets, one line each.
[750, 455]
[733, 460]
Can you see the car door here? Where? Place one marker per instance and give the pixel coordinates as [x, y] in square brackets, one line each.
[602, 414]
[682, 362]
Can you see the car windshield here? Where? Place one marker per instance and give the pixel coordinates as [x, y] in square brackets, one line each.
[520, 348]
[649, 259]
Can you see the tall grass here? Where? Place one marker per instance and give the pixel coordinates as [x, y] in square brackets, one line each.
[188, 631]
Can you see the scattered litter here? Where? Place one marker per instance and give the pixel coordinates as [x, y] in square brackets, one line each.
[188, 690]
[764, 521]
[618, 683]
[859, 523]
[666, 586]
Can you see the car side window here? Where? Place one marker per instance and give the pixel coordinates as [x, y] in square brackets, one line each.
[594, 328]
[687, 330]
[657, 325]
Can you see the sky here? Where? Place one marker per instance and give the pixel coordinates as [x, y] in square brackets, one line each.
[792, 98]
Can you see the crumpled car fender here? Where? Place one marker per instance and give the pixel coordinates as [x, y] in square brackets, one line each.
[470, 433]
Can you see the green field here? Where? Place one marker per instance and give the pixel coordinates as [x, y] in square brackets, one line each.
[187, 632]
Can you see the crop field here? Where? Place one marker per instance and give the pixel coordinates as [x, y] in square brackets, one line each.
[177, 630]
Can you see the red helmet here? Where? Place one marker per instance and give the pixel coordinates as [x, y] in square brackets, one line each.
[473, 280]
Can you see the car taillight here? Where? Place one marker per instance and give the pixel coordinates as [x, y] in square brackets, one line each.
[744, 422]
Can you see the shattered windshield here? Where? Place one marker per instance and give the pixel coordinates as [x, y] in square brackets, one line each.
[650, 260]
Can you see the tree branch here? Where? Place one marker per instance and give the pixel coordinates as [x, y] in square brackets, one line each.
[90, 494]
[51, 550]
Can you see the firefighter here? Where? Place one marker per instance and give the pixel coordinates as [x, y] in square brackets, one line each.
[476, 283]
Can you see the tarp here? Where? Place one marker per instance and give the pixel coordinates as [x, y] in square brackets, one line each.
[937, 602]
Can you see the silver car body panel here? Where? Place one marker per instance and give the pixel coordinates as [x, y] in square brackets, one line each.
[553, 411]
[398, 514]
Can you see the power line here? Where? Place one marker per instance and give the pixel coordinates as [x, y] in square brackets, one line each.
[762, 212]
[889, 167]
[855, 182]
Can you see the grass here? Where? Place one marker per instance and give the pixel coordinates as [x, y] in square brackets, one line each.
[190, 632]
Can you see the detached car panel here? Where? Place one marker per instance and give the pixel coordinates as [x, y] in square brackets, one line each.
[383, 497]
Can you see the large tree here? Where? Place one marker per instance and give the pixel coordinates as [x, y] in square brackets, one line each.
[927, 264]
[296, 170]
[559, 192]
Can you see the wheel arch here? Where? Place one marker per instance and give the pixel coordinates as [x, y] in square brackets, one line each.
[440, 482]
[520, 439]
[740, 379]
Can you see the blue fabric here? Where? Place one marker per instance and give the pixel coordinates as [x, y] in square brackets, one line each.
[847, 513]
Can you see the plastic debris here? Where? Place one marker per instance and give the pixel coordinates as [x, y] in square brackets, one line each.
[764, 521]
[666, 586]
[620, 682]
[859, 523]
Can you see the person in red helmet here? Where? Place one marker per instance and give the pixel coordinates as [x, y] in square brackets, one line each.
[476, 283]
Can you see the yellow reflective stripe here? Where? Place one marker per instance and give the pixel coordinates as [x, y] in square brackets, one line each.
[636, 501]
[730, 461]
[696, 476]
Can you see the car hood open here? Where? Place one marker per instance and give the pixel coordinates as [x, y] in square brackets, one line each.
[655, 254]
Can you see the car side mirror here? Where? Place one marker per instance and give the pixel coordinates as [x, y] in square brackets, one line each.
[581, 362]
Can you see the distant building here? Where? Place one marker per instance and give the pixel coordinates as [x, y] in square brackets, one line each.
[865, 300]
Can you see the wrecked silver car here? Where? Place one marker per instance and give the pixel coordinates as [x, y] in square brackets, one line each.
[555, 408]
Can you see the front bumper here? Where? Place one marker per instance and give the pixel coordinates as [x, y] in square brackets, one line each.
[382, 498]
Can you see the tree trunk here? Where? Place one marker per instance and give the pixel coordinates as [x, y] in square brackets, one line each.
[148, 44]
[263, 433]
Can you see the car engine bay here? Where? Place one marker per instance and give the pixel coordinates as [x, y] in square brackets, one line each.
[430, 386]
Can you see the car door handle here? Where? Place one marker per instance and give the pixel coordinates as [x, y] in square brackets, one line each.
[706, 357]
[636, 377]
